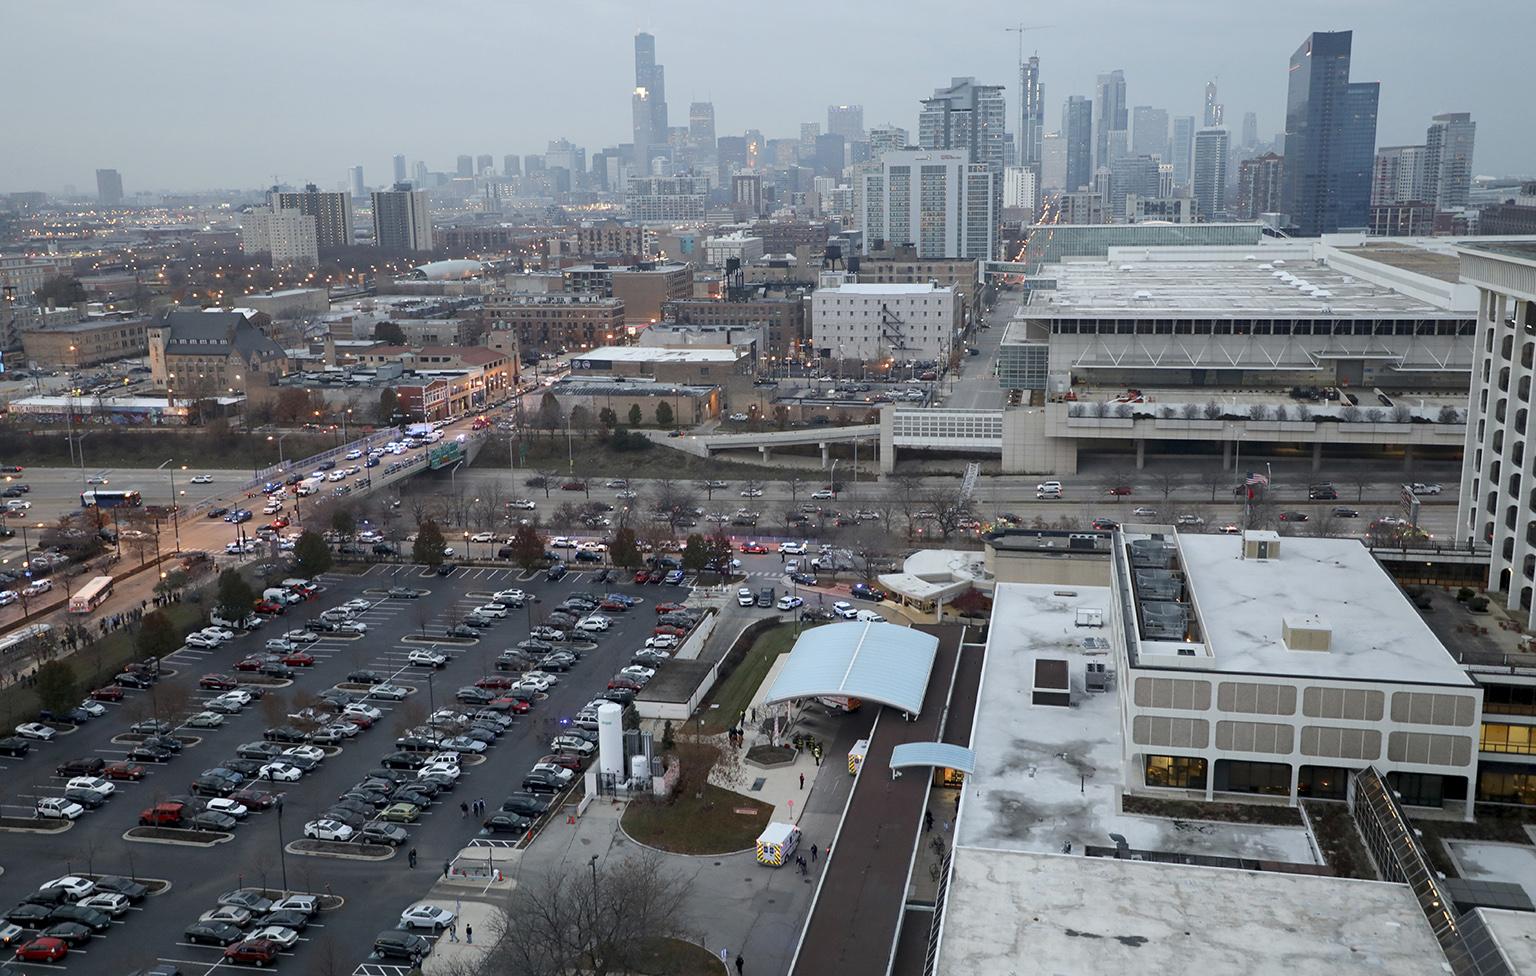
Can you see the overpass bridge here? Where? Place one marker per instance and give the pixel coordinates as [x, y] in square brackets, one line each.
[706, 445]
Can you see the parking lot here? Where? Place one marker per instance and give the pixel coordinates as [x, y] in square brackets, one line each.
[262, 850]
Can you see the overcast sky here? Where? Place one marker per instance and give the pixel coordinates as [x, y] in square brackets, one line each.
[192, 95]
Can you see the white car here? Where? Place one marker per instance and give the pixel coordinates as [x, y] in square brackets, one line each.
[219, 633]
[792, 548]
[751, 493]
[370, 536]
[205, 720]
[447, 716]
[285, 937]
[352, 627]
[236, 696]
[544, 676]
[460, 743]
[94, 709]
[327, 830]
[108, 903]
[821, 493]
[354, 454]
[558, 772]
[450, 770]
[509, 596]
[358, 605]
[533, 683]
[58, 808]
[389, 692]
[305, 905]
[1144, 511]
[366, 711]
[202, 479]
[1049, 486]
[35, 730]
[483, 537]
[229, 915]
[522, 504]
[1191, 520]
[424, 916]
[594, 624]
[662, 642]
[745, 597]
[790, 602]
[76, 888]
[272, 508]
[490, 610]
[738, 417]
[312, 753]
[344, 729]
[233, 808]
[844, 609]
[572, 743]
[275, 644]
[426, 658]
[300, 636]
[1420, 488]
[280, 772]
[638, 672]
[868, 616]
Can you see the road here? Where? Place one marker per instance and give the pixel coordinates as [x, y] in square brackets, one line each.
[975, 386]
[252, 857]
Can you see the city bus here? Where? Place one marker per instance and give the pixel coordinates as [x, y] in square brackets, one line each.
[23, 639]
[104, 498]
[91, 595]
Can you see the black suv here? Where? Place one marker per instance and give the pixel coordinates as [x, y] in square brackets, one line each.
[399, 944]
[525, 805]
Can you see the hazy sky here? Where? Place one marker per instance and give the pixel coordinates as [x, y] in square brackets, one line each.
[190, 95]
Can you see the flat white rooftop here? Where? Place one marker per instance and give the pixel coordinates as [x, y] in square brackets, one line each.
[660, 354]
[894, 288]
[1377, 635]
[1010, 912]
[1048, 776]
[1515, 933]
[1257, 289]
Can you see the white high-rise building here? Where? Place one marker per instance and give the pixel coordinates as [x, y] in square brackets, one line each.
[402, 220]
[1397, 175]
[1210, 173]
[287, 235]
[877, 322]
[1053, 161]
[1448, 159]
[1020, 189]
[657, 199]
[355, 176]
[940, 202]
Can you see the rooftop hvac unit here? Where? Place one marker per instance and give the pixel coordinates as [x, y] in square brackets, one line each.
[1158, 584]
[1150, 554]
[1164, 621]
[1096, 676]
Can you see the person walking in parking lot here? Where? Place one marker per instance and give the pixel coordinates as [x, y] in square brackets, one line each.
[463, 810]
[739, 964]
[453, 931]
[469, 935]
[411, 857]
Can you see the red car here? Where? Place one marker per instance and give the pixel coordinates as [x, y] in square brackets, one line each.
[662, 608]
[1118, 490]
[299, 659]
[361, 721]
[624, 683]
[754, 547]
[44, 949]
[641, 577]
[255, 798]
[517, 705]
[574, 486]
[217, 682]
[613, 606]
[565, 760]
[497, 681]
[278, 523]
[268, 607]
[669, 629]
[111, 693]
[259, 951]
[249, 664]
[123, 770]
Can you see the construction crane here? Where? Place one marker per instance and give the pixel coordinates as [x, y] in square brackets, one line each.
[1021, 30]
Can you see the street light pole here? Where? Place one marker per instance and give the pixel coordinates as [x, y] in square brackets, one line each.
[282, 849]
[175, 519]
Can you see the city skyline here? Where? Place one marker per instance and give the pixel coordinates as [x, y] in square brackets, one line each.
[432, 122]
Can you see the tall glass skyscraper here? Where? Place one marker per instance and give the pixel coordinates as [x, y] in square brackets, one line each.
[1077, 129]
[1330, 138]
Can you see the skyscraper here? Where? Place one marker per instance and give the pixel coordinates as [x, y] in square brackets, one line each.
[1212, 110]
[649, 103]
[1031, 113]
[399, 162]
[1132, 174]
[1448, 160]
[1259, 185]
[359, 188]
[884, 138]
[109, 187]
[1250, 129]
[402, 221]
[1182, 148]
[701, 126]
[1109, 115]
[1077, 129]
[485, 163]
[938, 201]
[511, 165]
[332, 213]
[1053, 161]
[466, 165]
[1149, 137]
[829, 152]
[966, 116]
[1330, 138]
[1397, 176]
[1210, 174]
[846, 121]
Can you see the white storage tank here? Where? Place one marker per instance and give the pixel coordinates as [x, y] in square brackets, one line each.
[610, 738]
[639, 771]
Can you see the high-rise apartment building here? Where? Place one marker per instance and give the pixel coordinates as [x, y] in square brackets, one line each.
[1077, 129]
[109, 187]
[649, 103]
[829, 152]
[332, 213]
[1209, 179]
[286, 235]
[1149, 132]
[939, 202]
[1330, 138]
[666, 198]
[701, 126]
[1260, 185]
[1212, 107]
[399, 164]
[1181, 148]
[355, 178]
[1250, 129]
[466, 165]
[846, 121]
[485, 164]
[511, 165]
[402, 219]
[1397, 175]
[1109, 115]
[1021, 187]
[1448, 160]
[1134, 175]
[1053, 161]
[886, 138]
[966, 116]
[1031, 112]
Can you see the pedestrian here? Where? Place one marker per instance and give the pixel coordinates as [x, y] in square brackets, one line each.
[463, 810]
[446, 866]
[453, 931]
[469, 934]
[813, 853]
[927, 821]
[739, 964]
[802, 781]
[725, 956]
[803, 870]
[411, 857]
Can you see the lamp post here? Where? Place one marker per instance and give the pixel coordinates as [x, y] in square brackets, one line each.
[175, 505]
[282, 849]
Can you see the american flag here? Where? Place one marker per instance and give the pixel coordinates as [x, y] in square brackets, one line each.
[1254, 478]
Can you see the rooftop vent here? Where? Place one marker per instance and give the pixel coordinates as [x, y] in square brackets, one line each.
[1143, 295]
[1261, 544]
[1164, 621]
[1306, 633]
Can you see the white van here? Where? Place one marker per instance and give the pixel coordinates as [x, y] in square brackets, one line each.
[277, 594]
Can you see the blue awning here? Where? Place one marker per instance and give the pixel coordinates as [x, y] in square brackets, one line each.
[941, 755]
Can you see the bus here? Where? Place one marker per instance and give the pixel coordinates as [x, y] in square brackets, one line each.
[91, 595]
[103, 498]
[23, 638]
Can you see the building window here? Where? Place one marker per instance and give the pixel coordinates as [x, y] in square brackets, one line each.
[1323, 782]
[1239, 776]
[1507, 783]
[1509, 699]
[1500, 737]
[1176, 772]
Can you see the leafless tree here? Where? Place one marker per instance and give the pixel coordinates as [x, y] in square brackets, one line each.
[1360, 476]
[906, 491]
[675, 500]
[1165, 482]
[1214, 479]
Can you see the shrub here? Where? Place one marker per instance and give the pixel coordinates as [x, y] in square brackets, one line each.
[1465, 593]
[1191, 411]
[1401, 414]
[1478, 604]
[1349, 414]
[1212, 410]
[1448, 415]
[1282, 414]
[1258, 411]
